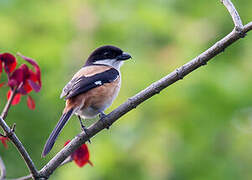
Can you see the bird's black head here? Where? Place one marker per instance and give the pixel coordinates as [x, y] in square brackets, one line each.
[108, 55]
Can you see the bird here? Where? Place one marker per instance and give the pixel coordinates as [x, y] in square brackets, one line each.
[91, 90]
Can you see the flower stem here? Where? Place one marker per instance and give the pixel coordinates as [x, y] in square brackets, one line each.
[8, 104]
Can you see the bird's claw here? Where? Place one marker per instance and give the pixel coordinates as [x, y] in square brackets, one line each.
[102, 117]
[84, 129]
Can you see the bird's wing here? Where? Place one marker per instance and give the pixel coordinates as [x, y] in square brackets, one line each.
[79, 85]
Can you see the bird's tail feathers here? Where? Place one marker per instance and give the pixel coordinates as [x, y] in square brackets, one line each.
[55, 133]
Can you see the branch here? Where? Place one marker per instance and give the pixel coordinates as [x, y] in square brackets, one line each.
[234, 14]
[2, 169]
[8, 104]
[150, 91]
[24, 178]
[66, 161]
[12, 136]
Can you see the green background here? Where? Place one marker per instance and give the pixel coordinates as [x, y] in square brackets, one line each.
[199, 128]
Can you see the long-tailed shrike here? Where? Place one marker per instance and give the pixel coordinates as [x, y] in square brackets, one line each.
[92, 89]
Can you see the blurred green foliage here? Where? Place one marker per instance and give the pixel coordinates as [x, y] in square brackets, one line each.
[199, 128]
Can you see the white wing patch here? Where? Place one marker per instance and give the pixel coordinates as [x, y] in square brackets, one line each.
[98, 82]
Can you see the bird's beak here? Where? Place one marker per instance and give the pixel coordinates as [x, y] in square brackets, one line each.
[124, 56]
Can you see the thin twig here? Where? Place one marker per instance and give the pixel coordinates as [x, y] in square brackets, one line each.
[247, 27]
[142, 96]
[24, 177]
[2, 169]
[12, 136]
[66, 161]
[8, 104]
[234, 14]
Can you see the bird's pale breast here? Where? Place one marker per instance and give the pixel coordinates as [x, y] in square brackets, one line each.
[98, 99]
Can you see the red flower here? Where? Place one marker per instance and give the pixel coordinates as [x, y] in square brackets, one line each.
[34, 78]
[9, 63]
[81, 155]
[25, 80]
[29, 79]
[4, 140]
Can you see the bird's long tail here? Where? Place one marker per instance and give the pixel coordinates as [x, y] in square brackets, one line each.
[55, 133]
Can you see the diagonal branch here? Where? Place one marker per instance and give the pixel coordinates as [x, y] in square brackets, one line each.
[234, 14]
[238, 32]
[66, 161]
[14, 139]
[142, 96]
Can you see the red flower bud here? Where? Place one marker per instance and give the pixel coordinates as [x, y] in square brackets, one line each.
[81, 155]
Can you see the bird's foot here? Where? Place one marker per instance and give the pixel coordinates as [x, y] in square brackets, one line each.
[84, 129]
[102, 117]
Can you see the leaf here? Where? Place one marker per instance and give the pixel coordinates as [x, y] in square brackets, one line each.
[81, 156]
[35, 65]
[30, 103]
[9, 61]
[34, 86]
[16, 78]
